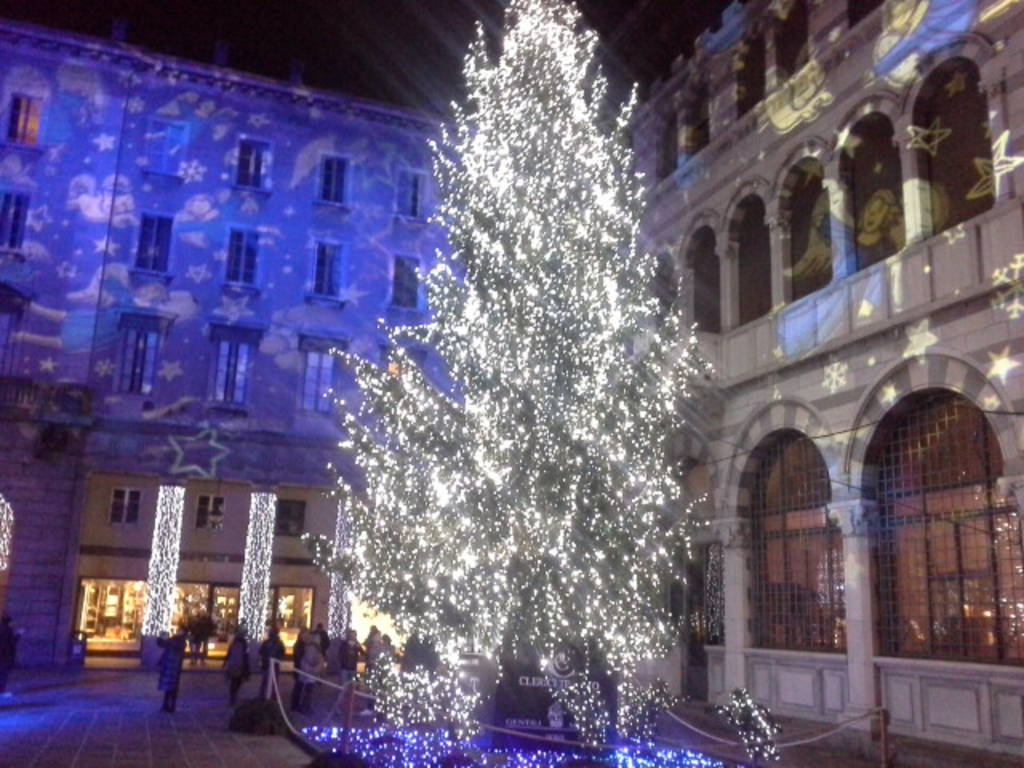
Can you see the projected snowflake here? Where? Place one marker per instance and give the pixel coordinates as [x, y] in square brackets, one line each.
[1010, 279]
[835, 376]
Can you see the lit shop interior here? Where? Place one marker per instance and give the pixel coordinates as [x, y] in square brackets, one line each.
[110, 612]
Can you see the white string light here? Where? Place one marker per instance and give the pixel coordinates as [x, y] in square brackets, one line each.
[163, 560]
[259, 555]
[339, 607]
[6, 533]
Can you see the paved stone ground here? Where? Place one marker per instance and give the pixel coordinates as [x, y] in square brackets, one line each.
[109, 718]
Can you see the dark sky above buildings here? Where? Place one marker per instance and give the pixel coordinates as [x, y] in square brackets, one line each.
[401, 51]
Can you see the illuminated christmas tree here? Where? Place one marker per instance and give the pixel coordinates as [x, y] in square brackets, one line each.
[532, 502]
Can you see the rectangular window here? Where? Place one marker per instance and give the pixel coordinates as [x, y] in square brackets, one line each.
[333, 177]
[243, 247]
[327, 271]
[13, 211]
[8, 321]
[405, 285]
[291, 517]
[124, 506]
[210, 512]
[165, 145]
[232, 381]
[138, 360]
[253, 164]
[23, 121]
[154, 243]
[318, 382]
[410, 194]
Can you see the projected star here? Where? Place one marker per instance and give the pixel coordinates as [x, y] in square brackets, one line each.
[992, 171]
[1002, 364]
[929, 138]
[198, 455]
[919, 338]
[889, 394]
[957, 84]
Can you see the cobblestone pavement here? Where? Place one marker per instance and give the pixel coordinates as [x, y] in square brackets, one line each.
[106, 718]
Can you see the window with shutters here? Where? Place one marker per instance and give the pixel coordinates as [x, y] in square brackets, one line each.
[153, 253]
[243, 249]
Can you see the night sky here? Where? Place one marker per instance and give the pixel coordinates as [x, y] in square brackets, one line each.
[407, 52]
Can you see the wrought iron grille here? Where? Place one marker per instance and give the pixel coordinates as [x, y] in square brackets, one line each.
[797, 551]
[949, 552]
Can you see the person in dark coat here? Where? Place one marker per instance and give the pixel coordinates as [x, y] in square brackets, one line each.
[325, 639]
[270, 649]
[348, 656]
[236, 664]
[170, 667]
[8, 651]
[297, 652]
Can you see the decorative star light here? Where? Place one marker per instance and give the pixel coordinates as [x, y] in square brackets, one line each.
[835, 376]
[258, 120]
[919, 338]
[106, 245]
[1002, 364]
[957, 83]
[170, 370]
[198, 273]
[198, 455]
[47, 365]
[1010, 281]
[992, 171]
[889, 394]
[104, 142]
[67, 270]
[191, 171]
[955, 234]
[104, 368]
[865, 310]
[233, 308]
[929, 138]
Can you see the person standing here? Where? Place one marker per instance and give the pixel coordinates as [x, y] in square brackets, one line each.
[348, 657]
[324, 638]
[298, 650]
[313, 665]
[236, 664]
[372, 647]
[271, 650]
[8, 652]
[170, 667]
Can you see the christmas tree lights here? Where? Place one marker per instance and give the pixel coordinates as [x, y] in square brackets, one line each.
[533, 503]
[6, 533]
[754, 723]
[259, 555]
[339, 604]
[163, 560]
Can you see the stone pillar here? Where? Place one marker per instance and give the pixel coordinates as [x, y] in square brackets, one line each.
[917, 200]
[778, 228]
[257, 563]
[728, 271]
[732, 532]
[842, 228]
[853, 517]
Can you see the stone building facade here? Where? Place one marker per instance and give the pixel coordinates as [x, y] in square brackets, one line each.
[839, 183]
[180, 247]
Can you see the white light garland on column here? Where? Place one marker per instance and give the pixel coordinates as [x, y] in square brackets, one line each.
[6, 533]
[163, 560]
[259, 553]
[339, 608]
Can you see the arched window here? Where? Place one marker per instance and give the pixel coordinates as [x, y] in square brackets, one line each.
[950, 554]
[870, 168]
[791, 49]
[707, 281]
[860, 9]
[749, 232]
[797, 550]
[698, 122]
[748, 65]
[805, 206]
[951, 137]
[668, 154]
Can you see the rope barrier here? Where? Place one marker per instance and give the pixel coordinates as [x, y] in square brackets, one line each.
[782, 744]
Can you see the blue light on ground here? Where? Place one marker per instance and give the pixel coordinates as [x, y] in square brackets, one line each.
[385, 748]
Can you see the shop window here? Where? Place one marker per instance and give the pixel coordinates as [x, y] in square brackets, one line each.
[949, 549]
[291, 517]
[748, 65]
[111, 613]
[707, 281]
[791, 37]
[749, 232]
[124, 506]
[870, 169]
[797, 586]
[954, 150]
[210, 512]
[805, 207]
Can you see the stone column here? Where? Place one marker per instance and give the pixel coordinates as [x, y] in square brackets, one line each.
[842, 228]
[917, 201]
[778, 229]
[732, 532]
[853, 517]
